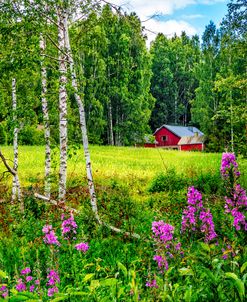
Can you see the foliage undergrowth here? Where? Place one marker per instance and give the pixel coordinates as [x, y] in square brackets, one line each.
[177, 266]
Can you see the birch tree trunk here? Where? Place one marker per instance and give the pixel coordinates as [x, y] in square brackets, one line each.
[45, 118]
[83, 127]
[62, 57]
[16, 188]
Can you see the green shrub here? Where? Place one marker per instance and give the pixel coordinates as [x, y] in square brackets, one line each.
[3, 135]
[30, 135]
[207, 183]
[169, 181]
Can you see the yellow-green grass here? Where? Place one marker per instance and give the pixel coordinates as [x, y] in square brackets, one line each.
[126, 163]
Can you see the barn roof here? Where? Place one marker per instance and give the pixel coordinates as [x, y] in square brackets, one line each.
[181, 131]
[190, 140]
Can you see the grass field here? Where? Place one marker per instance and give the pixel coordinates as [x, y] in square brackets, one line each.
[125, 163]
[116, 267]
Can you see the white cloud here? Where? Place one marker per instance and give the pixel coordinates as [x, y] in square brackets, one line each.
[192, 17]
[147, 8]
[168, 28]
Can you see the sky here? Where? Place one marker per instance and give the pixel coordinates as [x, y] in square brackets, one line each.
[175, 16]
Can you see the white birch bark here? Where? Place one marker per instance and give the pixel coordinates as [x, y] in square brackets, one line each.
[83, 127]
[16, 188]
[45, 118]
[80, 104]
[62, 16]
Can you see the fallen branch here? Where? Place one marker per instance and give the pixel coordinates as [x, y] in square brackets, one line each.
[64, 207]
[55, 203]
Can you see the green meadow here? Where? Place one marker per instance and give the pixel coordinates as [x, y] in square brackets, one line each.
[136, 189]
[123, 163]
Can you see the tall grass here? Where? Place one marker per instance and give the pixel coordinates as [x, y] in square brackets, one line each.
[125, 163]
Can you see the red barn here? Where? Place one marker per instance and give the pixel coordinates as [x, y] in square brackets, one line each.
[179, 137]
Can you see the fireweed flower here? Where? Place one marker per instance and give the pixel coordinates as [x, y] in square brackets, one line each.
[69, 227]
[196, 217]
[26, 271]
[50, 236]
[20, 286]
[163, 232]
[26, 282]
[83, 247]
[207, 226]
[228, 164]
[53, 280]
[161, 262]
[4, 291]
[166, 246]
[236, 205]
[152, 283]
[191, 213]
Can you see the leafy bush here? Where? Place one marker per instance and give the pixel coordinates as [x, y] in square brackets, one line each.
[3, 135]
[30, 135]
[169, 181]
[207, 183]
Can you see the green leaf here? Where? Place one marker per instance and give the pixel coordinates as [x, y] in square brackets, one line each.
[231, 276]
[94, 284]
[205, 247]
[243, 267]
[109, 282]
[123, 269]
[88, 277]
[185, 271]
[61, 298]
[79, 294]
[239, 284]
[188, 294]
[3, 275]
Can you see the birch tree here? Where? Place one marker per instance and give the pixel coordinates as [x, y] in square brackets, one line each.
[62, 59]
[16, 188]
[45, 118]
[82, 126]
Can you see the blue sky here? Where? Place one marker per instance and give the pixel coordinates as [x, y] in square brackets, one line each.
[176, 15]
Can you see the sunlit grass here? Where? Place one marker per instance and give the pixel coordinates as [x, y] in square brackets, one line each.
[126, 163]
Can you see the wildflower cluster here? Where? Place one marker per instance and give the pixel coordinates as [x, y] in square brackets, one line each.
[26, 281]
[53, 281]
[50, 236]
[228, 251]
[83, 247]
[152, 283]
[4, 291]
[236, 201]
[69, 227]
[229, 165]
[237, 206]
[196, 217]
[165, 245]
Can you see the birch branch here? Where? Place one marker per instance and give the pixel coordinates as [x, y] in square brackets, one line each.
[10, 170]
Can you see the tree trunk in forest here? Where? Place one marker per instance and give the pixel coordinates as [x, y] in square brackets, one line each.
[62, 19]
[45, 118]
[16, 188]
[80, 104]
[83, 127]
[111, 138]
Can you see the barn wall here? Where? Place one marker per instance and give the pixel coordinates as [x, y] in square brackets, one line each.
[192, 147]
[172, 139]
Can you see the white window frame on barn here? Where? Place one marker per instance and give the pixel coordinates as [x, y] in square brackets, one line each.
[164, 138]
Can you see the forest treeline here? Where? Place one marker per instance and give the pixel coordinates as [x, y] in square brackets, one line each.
[129, 90]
